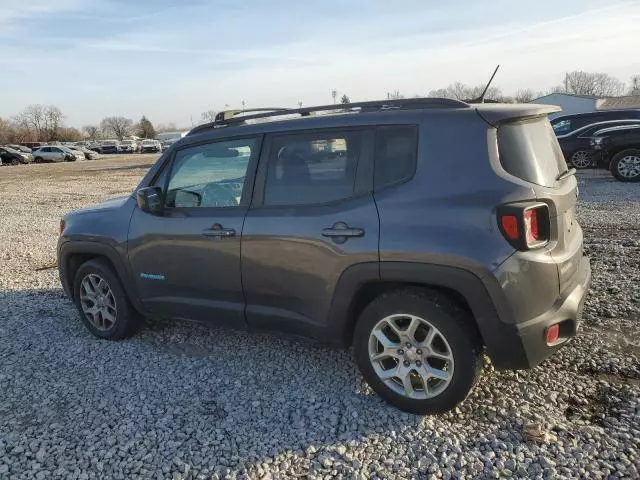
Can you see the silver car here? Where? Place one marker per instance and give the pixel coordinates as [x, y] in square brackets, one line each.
[56, 153]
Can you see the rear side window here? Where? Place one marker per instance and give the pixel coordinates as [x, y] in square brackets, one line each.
[312, 168]
[529, 150]
[562, 127]
[395, 155]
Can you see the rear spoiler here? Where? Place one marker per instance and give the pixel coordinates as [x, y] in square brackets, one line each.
[497, 113]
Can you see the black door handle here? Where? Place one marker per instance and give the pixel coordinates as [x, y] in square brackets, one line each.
[218, 231]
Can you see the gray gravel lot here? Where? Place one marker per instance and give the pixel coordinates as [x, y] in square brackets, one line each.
[183, 400]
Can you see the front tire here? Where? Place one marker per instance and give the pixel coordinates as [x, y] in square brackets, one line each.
[102, 303]
[582, 159]
[625, 166]
[416, 350]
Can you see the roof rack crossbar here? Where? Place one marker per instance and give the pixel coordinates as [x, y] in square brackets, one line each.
[235, 117]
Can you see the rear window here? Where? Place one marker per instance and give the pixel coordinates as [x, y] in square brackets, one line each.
[529, 150]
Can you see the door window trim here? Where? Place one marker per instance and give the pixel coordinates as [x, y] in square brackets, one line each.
[247, 188]
[363, 182]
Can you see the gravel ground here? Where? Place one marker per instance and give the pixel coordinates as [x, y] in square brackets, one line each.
[188, 401]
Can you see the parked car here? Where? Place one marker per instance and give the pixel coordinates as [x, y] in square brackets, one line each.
[167, 143]
[110, 146]
[620, 150]
[11, 156]
[344, 228]
[88, 154]
[94, 147]
[128, 146]
[150, 146]
[54, 153]
[32, 145]
[576, 146]
[19, 148]
[568, 123]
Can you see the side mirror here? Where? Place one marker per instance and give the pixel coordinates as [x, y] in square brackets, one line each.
[149, 200]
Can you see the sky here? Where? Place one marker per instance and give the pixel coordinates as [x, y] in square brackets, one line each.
[173, 60]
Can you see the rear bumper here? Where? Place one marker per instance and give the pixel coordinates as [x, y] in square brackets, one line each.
[526, 341]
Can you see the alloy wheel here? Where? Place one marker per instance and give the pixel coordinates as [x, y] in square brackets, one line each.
[98, 302]
[629, 166]
[411, 356]
[581, 159]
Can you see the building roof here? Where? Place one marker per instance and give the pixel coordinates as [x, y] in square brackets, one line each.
[590, 97]
[618, 103]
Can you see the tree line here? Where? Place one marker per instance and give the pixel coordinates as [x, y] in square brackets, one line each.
[45, 123]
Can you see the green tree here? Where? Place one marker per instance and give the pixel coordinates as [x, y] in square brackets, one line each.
[345, 99]
[145, 128]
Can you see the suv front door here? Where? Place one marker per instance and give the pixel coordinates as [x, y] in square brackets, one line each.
[313, 216]
[186, 262]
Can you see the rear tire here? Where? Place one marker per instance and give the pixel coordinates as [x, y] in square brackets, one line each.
[102, 303]
[37, 160]
[428, 371]
[582, 159]
[625, 165]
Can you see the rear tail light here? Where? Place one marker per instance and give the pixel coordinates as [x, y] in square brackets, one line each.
[553, 334]
[62, 225]
[525, 225]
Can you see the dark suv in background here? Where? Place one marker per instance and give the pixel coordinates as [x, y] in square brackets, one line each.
[619, 149]
[423, 232]
[568, 123]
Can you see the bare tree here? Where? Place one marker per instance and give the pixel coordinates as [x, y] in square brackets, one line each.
[208, 116]
[587, 83]
[395, 95]
[92, 131]
[460, 91]
[119, 127]
[634, 88]
[525, 95]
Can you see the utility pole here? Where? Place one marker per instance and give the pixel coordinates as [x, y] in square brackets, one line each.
[334, 94]
[242, 106]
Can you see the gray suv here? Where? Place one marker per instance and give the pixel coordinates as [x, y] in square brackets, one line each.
[425, 233]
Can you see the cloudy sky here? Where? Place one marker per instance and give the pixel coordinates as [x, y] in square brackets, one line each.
[172, 60]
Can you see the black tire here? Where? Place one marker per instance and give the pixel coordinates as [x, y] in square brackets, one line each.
[453, 324]
[15, 161]
[127, 320]
[37, 160]
[616, 161]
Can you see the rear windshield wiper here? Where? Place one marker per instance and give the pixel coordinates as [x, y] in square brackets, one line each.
[565, 174]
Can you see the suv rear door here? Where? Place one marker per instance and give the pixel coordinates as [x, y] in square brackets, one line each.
[186, 262]
[313, 216]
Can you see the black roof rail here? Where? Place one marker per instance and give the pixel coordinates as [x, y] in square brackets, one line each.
[236, 117]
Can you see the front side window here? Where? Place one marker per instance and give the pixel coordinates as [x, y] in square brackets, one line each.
[210, 175]
[312, 168]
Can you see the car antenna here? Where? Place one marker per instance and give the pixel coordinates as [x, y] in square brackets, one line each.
[480, 99]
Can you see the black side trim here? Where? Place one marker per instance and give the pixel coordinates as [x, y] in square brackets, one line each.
[485, 299]
[67, 249]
